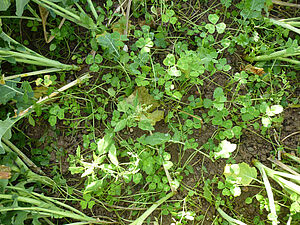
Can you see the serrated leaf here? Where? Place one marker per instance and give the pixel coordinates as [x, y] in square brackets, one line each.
[251, 8]
[111, 42]
[240, 173]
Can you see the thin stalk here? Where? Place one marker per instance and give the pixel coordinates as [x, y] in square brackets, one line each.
[274, 55]
[57, 8]
[58, 212]
[47, 198]
[290, 19]
[21, 17]
[6, 37]
[229, 218]
[33, 73]
[292, 157]
[278, 2]
[95, 14]
[268, 187]
[284, 25]
[141, 219]
[22, 156]
[37, 60]
[29, 174]
[289, 60]
[67, 86]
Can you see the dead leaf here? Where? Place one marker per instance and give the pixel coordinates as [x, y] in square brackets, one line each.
[5, 172]
[40, 91]
[255, 70]
[2, 81]
[120, 26]
[144, 98]
[155, 116]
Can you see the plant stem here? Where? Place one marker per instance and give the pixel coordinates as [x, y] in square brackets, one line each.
[268, 187]
[93, 9]
[140, 220]
[39, 72]
[274, 55]
[229, 218]
[22, 155]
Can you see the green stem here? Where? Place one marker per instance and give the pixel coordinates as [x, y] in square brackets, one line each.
[284, 25]
[58, 212]
[140, 220]
[229, 218]
[22, 155]
[95, 14]
[289, 60]
[57, 8]
[274, 55]
[39, 72]
[21, 17]
[36, 60]
[268, 187]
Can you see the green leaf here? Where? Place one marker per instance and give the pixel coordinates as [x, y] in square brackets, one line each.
[173, 71]
[213, 18]
[145, 124]
[225, 149]
[226, 3]
[275, 109]
[5, 127]
[169, 60]
[20, 4]
[137, 178]
[168, 164]
[4, 4]
[157, 139]
[210, 27]
[155, 116]
[104, 144]
[111, 42]
[240, 173]
[221, 27]
[120, 125]
[251, 8]
[52, 120]
[112, 155]
[8, 91]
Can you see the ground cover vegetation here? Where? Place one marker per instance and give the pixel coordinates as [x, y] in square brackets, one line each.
[149, 112]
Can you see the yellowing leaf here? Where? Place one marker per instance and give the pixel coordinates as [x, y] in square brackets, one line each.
[4, 172]
[144, 98]
[155, 116]
[40, 91]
